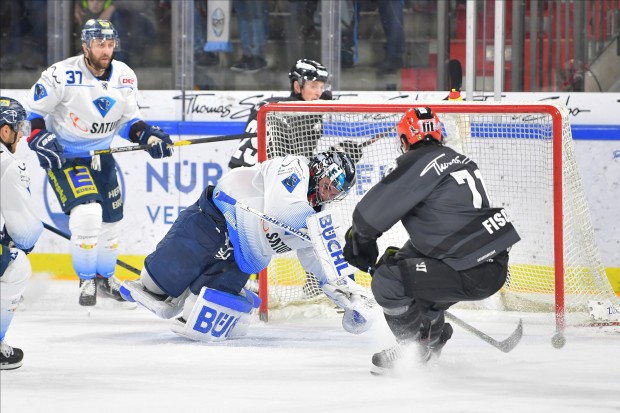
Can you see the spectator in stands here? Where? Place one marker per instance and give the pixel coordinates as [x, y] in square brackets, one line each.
[135, 30]
[253, 17]
[24, 29]
[391, 15]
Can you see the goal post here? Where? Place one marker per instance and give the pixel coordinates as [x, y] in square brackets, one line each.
[526, 155]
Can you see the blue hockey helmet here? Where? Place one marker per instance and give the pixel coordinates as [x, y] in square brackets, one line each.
[12, 113]
[101, 30]
[338, 168]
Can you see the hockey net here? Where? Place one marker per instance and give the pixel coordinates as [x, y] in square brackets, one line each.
[526, 156]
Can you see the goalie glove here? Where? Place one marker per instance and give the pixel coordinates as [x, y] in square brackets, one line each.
[356, 302]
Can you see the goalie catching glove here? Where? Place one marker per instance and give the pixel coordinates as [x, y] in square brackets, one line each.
[356, 302]
[160, 143]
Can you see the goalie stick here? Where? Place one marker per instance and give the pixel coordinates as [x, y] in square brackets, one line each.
[146, 147]
[505, 346]
[66, 236]
[224, 197]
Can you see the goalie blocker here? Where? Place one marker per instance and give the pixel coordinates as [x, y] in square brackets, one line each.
[326, 232]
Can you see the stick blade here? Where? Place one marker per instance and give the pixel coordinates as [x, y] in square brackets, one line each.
[513, 340]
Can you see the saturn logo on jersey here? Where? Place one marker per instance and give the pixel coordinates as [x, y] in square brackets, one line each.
[39, 92]
[291, 182]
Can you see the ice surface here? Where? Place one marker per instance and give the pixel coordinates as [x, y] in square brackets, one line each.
[120, 360]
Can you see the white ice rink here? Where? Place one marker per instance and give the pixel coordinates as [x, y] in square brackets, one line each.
[120, 360]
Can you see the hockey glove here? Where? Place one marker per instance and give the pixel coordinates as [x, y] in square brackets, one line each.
[48, 149]
[360, 252]
[160, 142]
[352, 149]
[356, 301]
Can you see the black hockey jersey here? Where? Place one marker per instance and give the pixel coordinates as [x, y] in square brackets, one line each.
[440, 198]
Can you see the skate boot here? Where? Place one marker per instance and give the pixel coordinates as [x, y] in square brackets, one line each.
[88, 292]
[384, 361]
[10, 357]
[109, 287]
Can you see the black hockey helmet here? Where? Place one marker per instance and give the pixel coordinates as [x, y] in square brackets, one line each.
[307, 69]
[12, 113]
[338, 167]
[100, 29]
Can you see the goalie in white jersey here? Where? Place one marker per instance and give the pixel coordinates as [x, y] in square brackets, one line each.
[21, 228]
[79, 105]
[202, 264]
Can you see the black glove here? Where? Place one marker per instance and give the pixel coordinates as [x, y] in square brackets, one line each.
[160, 142]
[352, 149]
[360, 252]
[48, 149]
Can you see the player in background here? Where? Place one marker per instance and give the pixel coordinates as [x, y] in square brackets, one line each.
[308, 81]
[79, 105]
[203, 262]
[21, 228]
[458, 246]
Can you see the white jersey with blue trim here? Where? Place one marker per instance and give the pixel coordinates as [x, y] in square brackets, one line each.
[84, 112]
[16, 211]
[278, 188]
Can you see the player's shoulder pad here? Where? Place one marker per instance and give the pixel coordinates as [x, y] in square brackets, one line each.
[293, 162]
[126, 76]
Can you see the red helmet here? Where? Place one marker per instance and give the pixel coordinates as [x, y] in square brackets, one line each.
[417, 124]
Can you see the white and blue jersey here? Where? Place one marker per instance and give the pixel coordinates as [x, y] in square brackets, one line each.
[16, 212]
[279, 188]
[84, 112]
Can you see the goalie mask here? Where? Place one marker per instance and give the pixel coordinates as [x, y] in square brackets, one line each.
[100, 30]
[13, 114]
[419, 124]
[306, 69]
[332, 174]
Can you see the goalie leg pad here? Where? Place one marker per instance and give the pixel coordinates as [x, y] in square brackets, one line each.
[215, 315]
[12, 285]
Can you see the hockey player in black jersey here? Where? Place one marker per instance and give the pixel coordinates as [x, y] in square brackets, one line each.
[458, 246]
[308, 79]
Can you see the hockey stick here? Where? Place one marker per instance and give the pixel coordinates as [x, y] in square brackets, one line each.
[506, 345]
[146, 147]
[224, 197]
[67, 237]
[354, 150]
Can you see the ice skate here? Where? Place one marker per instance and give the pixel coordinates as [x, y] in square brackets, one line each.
[88, 293]
[384, 361]
[109, 287]
[10, 357]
